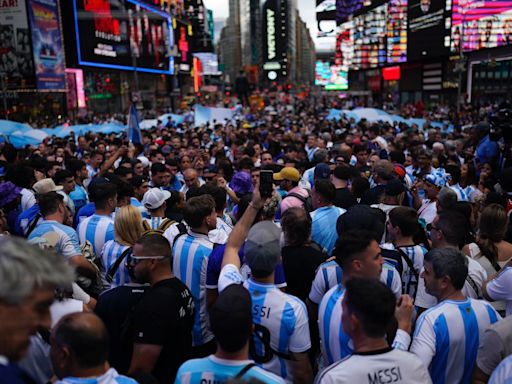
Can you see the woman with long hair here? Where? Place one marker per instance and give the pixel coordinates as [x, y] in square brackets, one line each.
[128, 229]
[490, 249]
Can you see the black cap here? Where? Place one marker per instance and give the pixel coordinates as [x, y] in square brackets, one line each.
[394, 187]
[343, 173]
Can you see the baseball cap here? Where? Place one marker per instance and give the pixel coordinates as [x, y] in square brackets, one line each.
[155, 197]
[436, 180]
[322, 171]
[212, 168]
[394, 188]
[287, 173]
[241, 183]
[8, 192]
[399, 170]
[262, 248]
[230, 317]
[46, 185]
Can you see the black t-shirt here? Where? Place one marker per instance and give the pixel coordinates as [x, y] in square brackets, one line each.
[344, 198]
[165, 316]
[113, 307]
[300, 264]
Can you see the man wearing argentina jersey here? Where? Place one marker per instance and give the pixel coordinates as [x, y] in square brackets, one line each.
[368, 306]
[52, 233]
[323, 230]
[447, 336]
[140, 187]
[99, 228]
[281, 328]
[191, 251]
[454, 173]
[231, 322]
[401, 227]
[154, 201]
[358, 255]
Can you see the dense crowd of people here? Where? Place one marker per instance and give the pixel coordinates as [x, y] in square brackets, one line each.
[375, 253]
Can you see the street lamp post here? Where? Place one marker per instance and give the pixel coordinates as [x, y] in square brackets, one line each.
[461, 58]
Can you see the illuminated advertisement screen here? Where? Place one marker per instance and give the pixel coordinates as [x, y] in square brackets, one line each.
[344, 52]
[123, 34]
[330, 77]
[369, 36]
[484, 24]
[397, 31]
[347, 8]
[326, 25]
[209, 63]
[429, 28]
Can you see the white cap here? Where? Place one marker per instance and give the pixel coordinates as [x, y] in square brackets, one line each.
[144, 160]
[45, 186]
[154, 198]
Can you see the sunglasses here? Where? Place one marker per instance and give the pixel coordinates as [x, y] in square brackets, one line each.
[134, 260]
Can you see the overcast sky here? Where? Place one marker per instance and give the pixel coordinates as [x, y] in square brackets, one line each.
[306, 9]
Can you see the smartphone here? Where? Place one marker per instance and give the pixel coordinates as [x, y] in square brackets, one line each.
[266, 183]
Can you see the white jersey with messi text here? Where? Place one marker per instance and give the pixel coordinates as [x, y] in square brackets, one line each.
[189, 264]
[472, 286]
[329, 274]
[388, 366]
[447, 336]
[280, 321]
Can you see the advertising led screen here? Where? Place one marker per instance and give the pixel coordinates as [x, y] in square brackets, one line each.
[370, 39]
[326, 25]
[330, 77]
[16, 60]
[345, 9]
[47, 45]
[397, 31]
[483, 24]
[209, 63]
[429, 28]
[123, 34]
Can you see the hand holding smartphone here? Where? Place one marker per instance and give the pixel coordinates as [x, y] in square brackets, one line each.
[266, 183]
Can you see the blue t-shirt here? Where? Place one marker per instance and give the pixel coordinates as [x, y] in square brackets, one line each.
[211, 369]
[86, 211]
[79, 197]
[25, 219]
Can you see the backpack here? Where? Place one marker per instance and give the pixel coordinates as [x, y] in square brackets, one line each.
[307, 201]
[109, 276]
[92, 286]
[164, 225]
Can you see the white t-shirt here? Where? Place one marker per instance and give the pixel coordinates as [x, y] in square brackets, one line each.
[475, 271]
[388, 366]
[427, 211]
[500, 288]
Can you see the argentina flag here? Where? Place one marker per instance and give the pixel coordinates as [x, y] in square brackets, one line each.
[134, 132]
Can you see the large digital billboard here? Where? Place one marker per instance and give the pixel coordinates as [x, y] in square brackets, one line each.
[397, 31]
[123, 34]
[483, 24]
[330, 77]
[47, 45]
[326, 25]
[16, 60]
[345, 9]
[429, 28]
[369, 36]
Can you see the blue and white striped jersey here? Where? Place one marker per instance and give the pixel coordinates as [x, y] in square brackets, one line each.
[190, 261]
[447, 336]
[52, 234]
[154, 222]
[329, 274]
[503, 372]
[279, 319]
[212, 369]
[110, 252]
[335, 343]
[109, 377]
[96, 229]
[323, 227]
[460, 192]
[416, 254]
[142, 209]
[284, 319]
